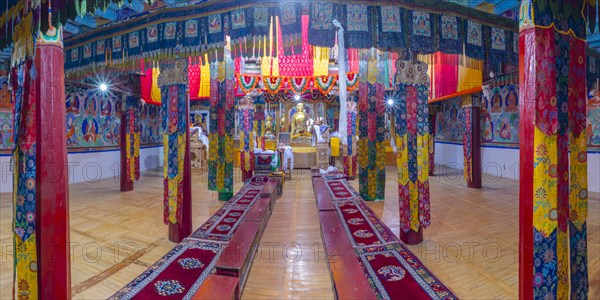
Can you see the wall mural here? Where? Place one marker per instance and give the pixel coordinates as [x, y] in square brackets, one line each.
[92, 121]
[449, 121]
[500, 118]
[593, 122]
[500, 115]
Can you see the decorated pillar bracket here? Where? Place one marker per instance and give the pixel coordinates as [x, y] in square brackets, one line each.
[553, 175]
[412, 140]
[173, 84]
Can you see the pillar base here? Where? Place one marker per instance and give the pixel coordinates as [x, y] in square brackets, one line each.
[225, 196]
[412, 237]
[126, 186]
[246, 175]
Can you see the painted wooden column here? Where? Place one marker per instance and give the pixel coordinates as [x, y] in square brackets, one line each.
[411, 89]
[553, 162]
[177, 173]
[472, 141]
[51, 175]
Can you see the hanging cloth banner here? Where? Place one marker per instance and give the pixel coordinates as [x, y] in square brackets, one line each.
[350, 157]
[321, 31]
[132, 138]
[117, 47]
[173, 83]
[213, 29]
[204, 90]
[421, 32]
[151, 38]
[450, 35]
[24, 179]
[290, 17]
[222, 101]
[246, 117]
[193, 79]
[240, 25]
[358, 25]
[391, 27]
[133, 43]
[498, 46]
[191, 34]
[445, 74]
[146, 82]
[155, 94]
[412, 140]
[474, 40]
[370, 144]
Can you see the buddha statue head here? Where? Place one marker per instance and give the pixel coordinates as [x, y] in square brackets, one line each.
[299, 107]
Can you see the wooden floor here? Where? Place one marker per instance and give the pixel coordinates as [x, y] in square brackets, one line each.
[472, 244]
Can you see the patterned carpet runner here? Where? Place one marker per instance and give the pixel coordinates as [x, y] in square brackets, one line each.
[393, 271]
[180, 273]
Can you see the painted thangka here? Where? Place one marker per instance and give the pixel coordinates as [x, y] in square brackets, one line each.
[173, 84]
[24, 181]
[554, 182]
[222, 118]
[371, 128]
[412, 140]
[500, 114]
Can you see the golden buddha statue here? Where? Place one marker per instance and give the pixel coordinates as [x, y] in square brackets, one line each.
[299, 120]
[269, 127]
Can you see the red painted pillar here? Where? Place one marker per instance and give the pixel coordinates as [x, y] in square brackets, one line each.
[52, 230]
[472, 141]
[124, 178]
[181, 230]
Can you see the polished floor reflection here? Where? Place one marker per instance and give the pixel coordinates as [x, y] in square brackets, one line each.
[472, 244]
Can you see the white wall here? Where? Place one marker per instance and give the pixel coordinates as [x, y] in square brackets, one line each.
[504, 162]
[90, 166]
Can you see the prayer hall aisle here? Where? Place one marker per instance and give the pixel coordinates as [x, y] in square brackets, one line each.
[290, 263]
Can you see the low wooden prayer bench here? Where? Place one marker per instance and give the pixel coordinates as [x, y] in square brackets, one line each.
[315, 172]
[273, 186]
[236, 259]
[260, 212]
[218, 287]
[324, 201]
[347, 276]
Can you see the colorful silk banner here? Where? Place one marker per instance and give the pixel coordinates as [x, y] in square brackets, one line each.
[132, 139]
[468, 143]
[24, 181]
[173, 83]
[553, 109]
[350, 157]
[222, 101]
[246, 117]
[412, 140]
[371, 151]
